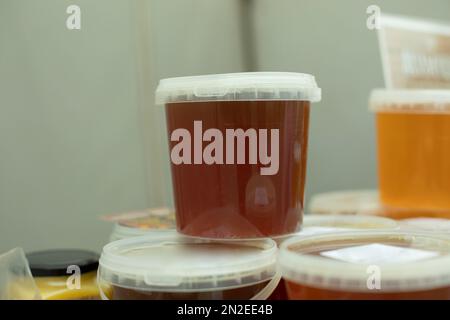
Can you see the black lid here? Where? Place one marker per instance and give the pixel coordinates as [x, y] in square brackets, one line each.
[55, 262]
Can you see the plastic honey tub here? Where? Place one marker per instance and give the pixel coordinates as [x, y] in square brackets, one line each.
[367, 265]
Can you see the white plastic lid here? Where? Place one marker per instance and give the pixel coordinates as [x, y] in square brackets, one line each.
[407, 261]
[348, 222]
[182, 264]
[350, 202]
[239, 86]
[428, 101]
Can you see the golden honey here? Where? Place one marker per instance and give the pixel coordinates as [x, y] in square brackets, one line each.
[413, 142]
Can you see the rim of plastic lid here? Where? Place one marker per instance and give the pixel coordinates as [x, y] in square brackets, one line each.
[138, 263]
[243, 86]
[348, 221]
[155, 223]
[123, 232]
[428, 224]
[427, 100]
[322, 272]
[346, 202]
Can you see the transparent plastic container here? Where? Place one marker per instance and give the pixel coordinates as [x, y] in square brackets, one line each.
[389, 265]
[314, 224]
[413, 134]
[238, 146]
[157, 222]
[178, 267]
[16, 281]
[414, 52]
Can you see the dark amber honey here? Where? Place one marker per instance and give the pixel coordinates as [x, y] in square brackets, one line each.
[236, 200]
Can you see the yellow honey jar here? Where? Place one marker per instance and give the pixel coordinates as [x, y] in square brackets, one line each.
[66, 274]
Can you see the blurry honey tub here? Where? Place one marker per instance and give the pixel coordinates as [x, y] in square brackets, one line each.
[156, 221]
[177, 267]
[65, 274]
[367, 265]
[413, 138]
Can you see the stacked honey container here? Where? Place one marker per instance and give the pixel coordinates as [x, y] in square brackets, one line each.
[238, 151]
[238, 147]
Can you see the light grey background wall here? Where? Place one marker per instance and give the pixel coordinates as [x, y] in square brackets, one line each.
[77, 126]
[179, 38]
[69, 144]
[72, 146]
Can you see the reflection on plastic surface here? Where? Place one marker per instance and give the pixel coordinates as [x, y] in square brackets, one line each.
[16, 281]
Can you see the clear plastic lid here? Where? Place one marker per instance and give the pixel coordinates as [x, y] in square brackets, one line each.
[349, 202]
[348, 222]
[405, 261]
[315, 224]
[124, 232]
[131, 217]
[438, 225]
[182, 264]
[427, 101]
[156, 221]
[239, 86]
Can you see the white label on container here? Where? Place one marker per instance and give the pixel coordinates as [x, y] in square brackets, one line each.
[415, 52]
[379, 254]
